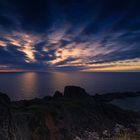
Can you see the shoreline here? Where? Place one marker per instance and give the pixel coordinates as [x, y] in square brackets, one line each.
[72, 115]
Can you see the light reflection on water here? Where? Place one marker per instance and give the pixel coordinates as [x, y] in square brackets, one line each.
[30, 85]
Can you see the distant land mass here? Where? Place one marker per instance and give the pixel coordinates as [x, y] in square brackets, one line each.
[72, 115]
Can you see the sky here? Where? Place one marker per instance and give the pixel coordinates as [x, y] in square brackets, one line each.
[69, 35]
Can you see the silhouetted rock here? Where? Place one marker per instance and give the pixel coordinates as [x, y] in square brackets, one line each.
[4, 99]
[75, 92]
[58, 94]
[74, 115]
[7, 127]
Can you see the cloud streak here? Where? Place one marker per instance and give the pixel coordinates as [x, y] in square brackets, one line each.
[86, 35]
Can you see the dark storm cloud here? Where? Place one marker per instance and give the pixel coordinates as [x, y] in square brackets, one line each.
[11, 55]
[68, 34]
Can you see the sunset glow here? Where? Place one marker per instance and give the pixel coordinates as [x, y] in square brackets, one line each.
[4, 71]
[89, 40]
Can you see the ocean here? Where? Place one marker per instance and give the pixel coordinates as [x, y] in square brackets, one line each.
[36, 85]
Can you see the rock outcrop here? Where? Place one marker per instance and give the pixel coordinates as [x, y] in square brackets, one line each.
[58, 94]
[73, 115]
[7, 126]
[75, 92]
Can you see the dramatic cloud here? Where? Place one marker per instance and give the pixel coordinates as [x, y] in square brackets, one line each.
[80, 35]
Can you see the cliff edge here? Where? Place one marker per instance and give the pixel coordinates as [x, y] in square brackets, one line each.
[72, 115]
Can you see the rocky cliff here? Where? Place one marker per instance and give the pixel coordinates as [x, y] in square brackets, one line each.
[72, 115]
[7, 126]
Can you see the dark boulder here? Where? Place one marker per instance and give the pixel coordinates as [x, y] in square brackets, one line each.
[75, 92]
[58, 94]
[4, 99]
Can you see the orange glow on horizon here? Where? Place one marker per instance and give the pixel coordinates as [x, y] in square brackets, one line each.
[114, 69]
[3, 71]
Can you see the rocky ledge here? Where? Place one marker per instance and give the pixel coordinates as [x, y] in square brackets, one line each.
[72, 115]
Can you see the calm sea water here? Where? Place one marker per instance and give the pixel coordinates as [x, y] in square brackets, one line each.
[29, 85]
[132, 103]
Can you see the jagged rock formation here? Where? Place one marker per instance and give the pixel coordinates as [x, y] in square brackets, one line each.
[7, 127]
[58, 94]
[74, 115]
[75, 92]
